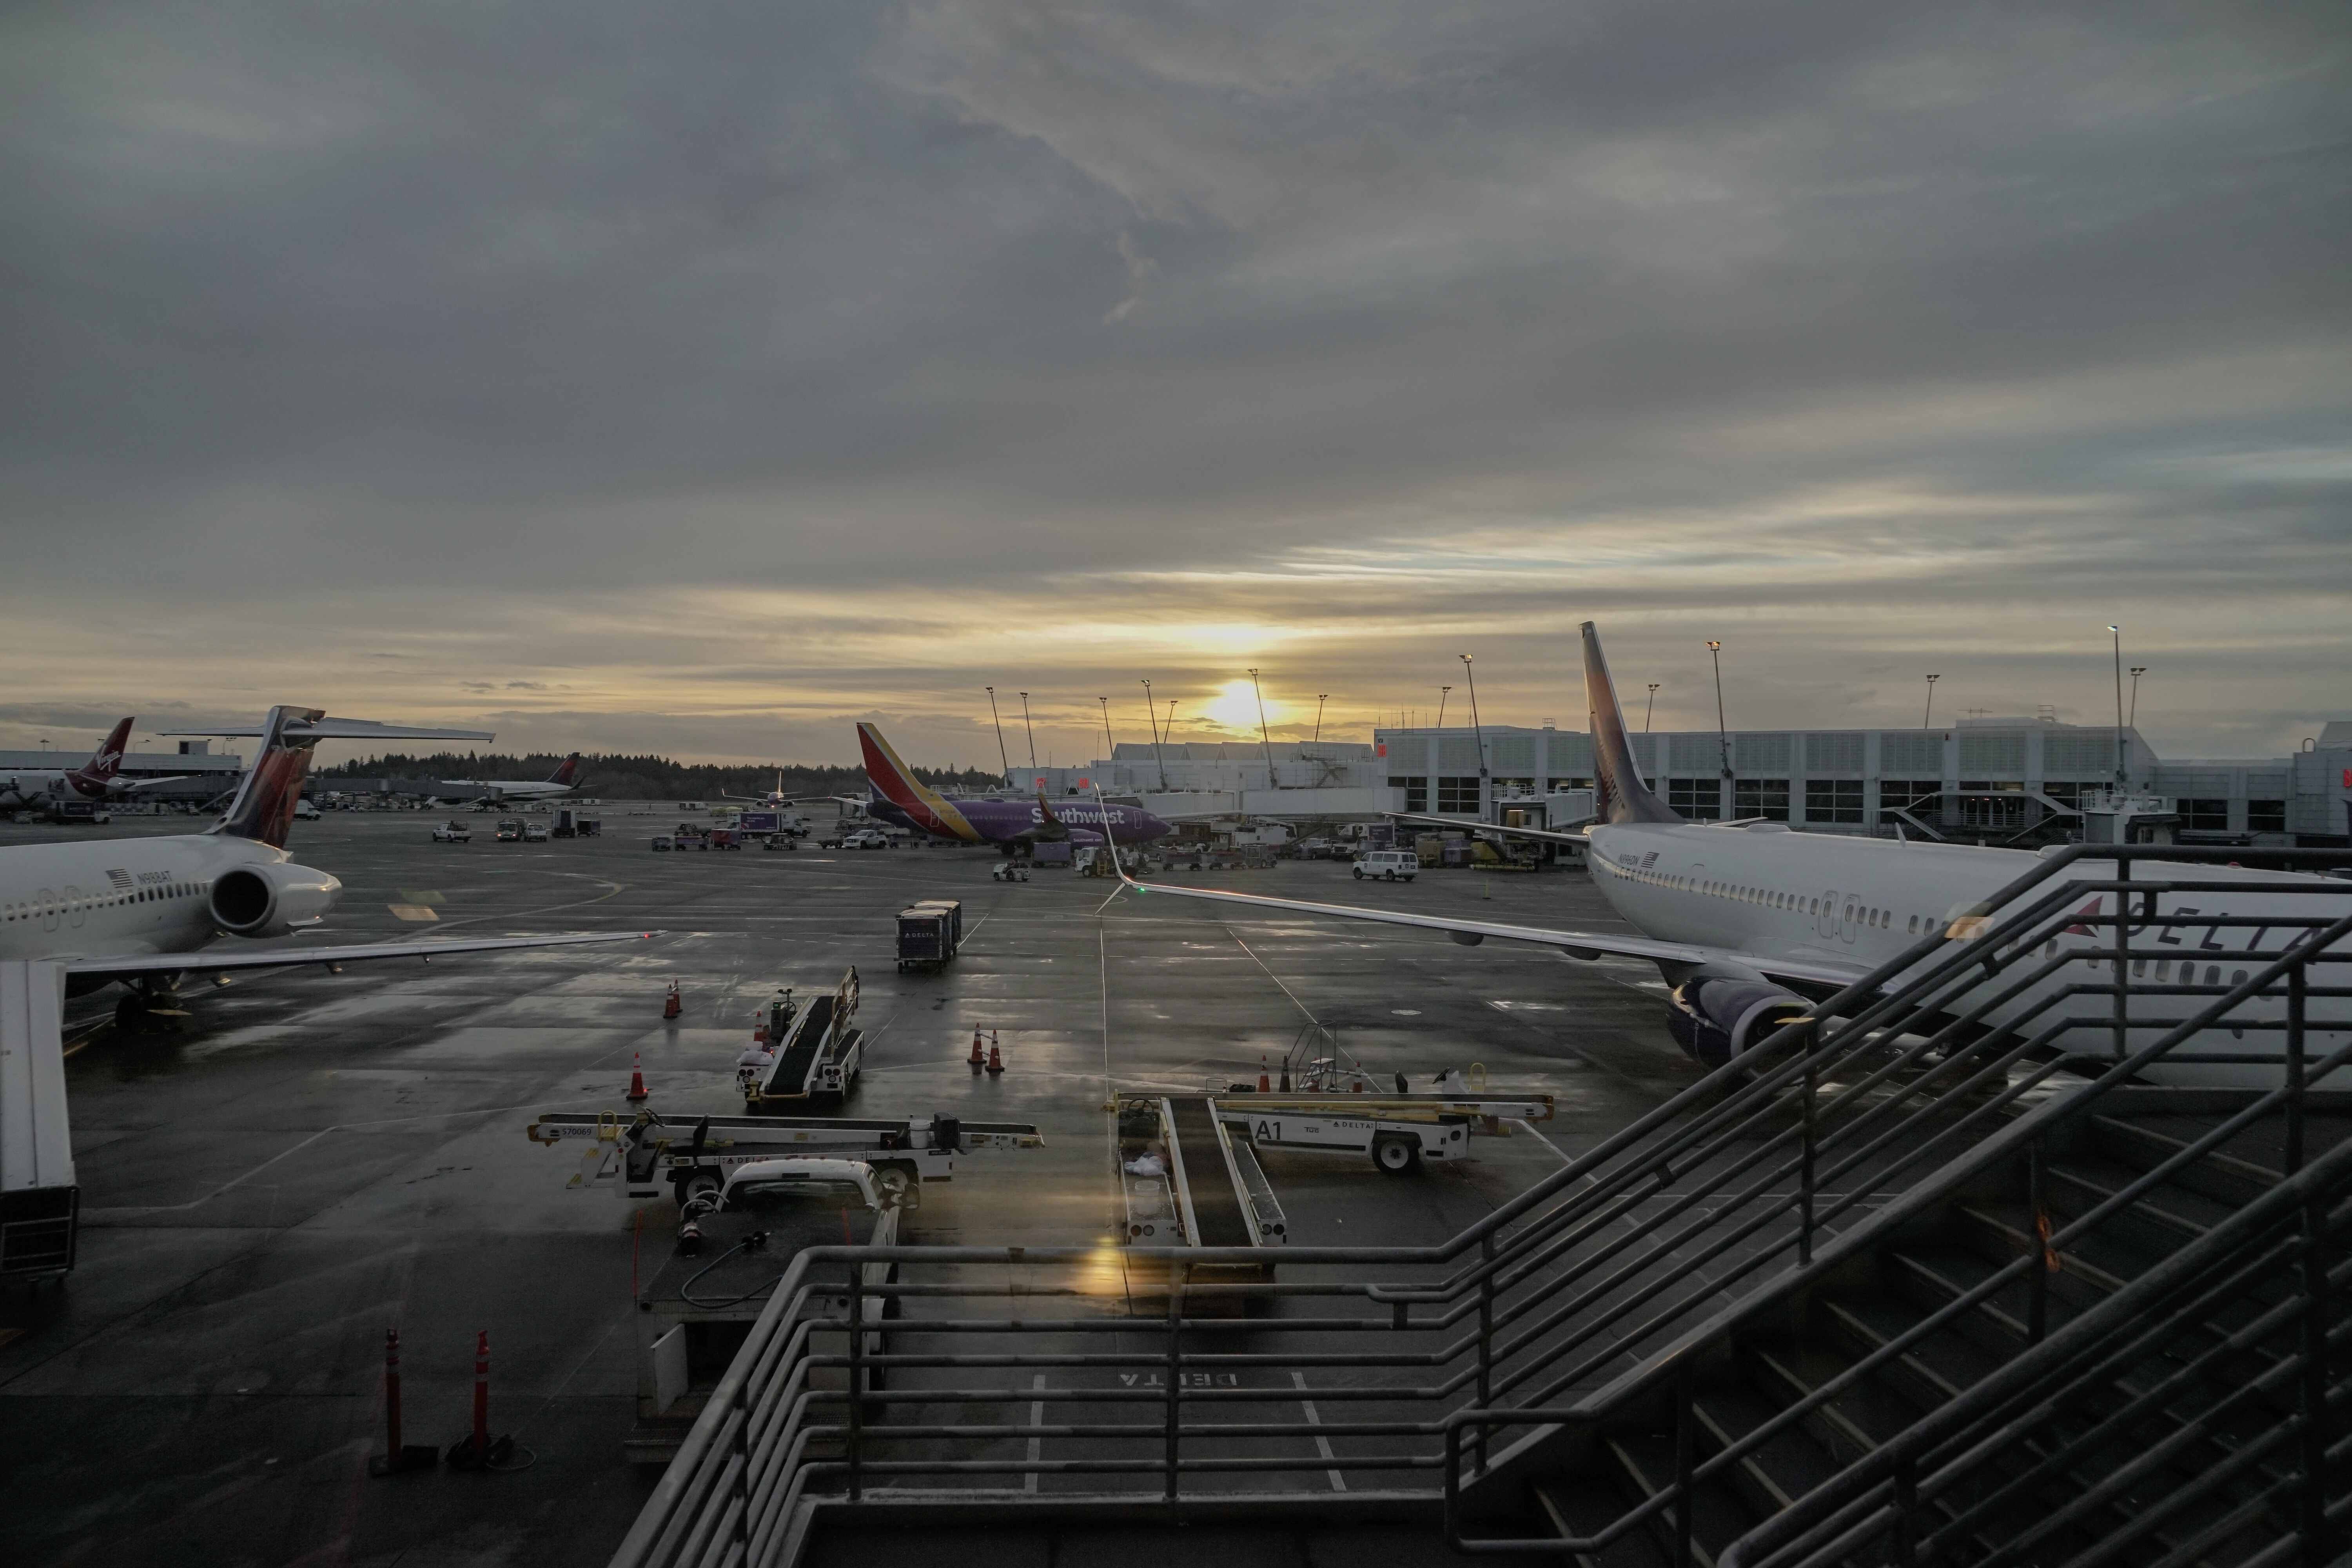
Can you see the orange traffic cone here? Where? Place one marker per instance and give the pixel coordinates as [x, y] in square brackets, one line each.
[636, 1076]
[1264, 1084]
[995, 1058]
[671, 1005]
[977, 1059]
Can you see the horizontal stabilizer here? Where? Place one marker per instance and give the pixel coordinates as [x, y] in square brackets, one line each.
[330, 729]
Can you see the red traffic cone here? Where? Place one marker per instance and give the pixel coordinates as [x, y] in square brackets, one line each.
[759, 1033]
[636, 1076]
[1264, 1084]
[672, 1005]
[995, 1058]
[977, 1059]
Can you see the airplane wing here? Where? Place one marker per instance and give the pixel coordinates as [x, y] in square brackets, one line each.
[287, 957]
[332, 729]
[1541, 835]
[1576, 944]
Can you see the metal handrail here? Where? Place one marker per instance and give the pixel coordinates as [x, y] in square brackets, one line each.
[2105, 1340]
[755, 1436]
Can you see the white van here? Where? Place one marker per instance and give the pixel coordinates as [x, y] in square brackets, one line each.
[1387, 864]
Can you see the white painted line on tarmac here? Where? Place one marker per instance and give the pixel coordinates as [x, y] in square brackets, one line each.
[1037, 1445]
[1322, 1444]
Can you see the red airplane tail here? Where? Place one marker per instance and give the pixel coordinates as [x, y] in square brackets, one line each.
[92, 777]
[568, 771]
[264, 807]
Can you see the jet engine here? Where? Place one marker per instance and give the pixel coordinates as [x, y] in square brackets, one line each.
[271, 900]
[1720, 1010]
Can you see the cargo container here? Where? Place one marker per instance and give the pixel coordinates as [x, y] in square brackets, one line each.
[926, 937]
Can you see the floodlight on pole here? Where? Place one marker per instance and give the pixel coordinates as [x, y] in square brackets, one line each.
[1320, 699]
[1110, 747]
[2136, 671]
[1652, 707]
[992, 718]
[1478, 730]
[1032, 729]
[2122, 757]
[1443, 692]
[1151, 711]
[1264, 742]
[1930, 713]
[1722, 735]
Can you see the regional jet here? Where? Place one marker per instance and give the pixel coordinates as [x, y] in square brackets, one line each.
[904, 801]
[95, 780]
[144, 912]
[1750, 922]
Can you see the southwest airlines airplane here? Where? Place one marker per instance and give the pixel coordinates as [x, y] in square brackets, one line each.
[1747, 921]
[143, 911]
[907, 802]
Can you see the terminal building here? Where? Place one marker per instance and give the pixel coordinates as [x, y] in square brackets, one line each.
[2022, 780]
[198, 772]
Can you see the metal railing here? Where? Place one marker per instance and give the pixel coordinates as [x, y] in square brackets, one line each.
[1595, 1290]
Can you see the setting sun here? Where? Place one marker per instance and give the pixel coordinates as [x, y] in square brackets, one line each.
[1235, 706]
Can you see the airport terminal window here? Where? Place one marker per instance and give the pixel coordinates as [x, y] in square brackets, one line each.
[1833, 800]
[1767, 798]
[2064, 793]
[1457, 796]
[1524, 786]
[1908, 791]
[1416, 791]
[2266, 817]
[1699, 800]
[2208, 815]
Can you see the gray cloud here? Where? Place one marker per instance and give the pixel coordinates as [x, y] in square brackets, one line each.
[524, 348]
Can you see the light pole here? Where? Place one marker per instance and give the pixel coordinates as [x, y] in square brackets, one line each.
[1722, 736]
[1110, 747]
[1264, 742]
[1151, 711]
[2121, 759]
[1930, 711]
[1479, 731]
[2136, 671]
[1033, 734]
[1443, 692]
[1320, 699]
[1650, 707]
[1005, 761]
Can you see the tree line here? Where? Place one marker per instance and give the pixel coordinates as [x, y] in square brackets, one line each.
[639, 778]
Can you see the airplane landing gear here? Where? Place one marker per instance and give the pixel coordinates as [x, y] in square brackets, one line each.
[149, 1008]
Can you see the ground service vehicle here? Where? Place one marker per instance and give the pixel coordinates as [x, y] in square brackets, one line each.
[509, 830]
[1387, 864]
[452, 832]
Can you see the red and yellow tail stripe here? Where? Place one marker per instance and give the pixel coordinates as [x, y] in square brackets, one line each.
[929, 808]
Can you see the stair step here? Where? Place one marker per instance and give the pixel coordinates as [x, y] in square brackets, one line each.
[1574, 1507]
[1786, 1468]
[2225, 1178]
[2167, 1217]
[1646, 1460]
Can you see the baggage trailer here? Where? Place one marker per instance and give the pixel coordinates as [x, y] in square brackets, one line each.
[40, 1203]
[639, 1153]
[695, 1312]
[817, 1055]
[930, 933]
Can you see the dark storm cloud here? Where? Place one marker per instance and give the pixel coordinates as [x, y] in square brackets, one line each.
[442, 327]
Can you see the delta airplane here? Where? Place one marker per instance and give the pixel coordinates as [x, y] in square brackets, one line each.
[490, 792]
[905, 801]
[1750, 922]
[96, 779]
[144, 912]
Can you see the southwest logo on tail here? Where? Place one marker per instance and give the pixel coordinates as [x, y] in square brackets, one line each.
[930, 810]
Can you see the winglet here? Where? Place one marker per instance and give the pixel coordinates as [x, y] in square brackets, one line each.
[1110, 840]
[1624, 797]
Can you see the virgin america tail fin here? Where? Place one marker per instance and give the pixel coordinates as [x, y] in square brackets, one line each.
[94, 775]
[1624, 797]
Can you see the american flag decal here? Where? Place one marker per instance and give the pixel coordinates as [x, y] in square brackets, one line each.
[121, 878]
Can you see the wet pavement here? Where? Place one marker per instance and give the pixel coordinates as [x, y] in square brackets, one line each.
[312, 1159]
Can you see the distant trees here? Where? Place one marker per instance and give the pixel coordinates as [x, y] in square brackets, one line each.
[641, 777]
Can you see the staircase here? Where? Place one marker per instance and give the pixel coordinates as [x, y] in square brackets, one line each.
[1895, 1287]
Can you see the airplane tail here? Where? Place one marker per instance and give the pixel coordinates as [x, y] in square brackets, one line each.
[568, 771]
[93, 776]
[1624, 797]
[263, 808]
[898, 784]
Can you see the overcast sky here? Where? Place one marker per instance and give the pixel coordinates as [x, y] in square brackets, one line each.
[701, 377]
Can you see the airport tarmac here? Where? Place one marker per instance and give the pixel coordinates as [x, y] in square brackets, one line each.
[313, 1158]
